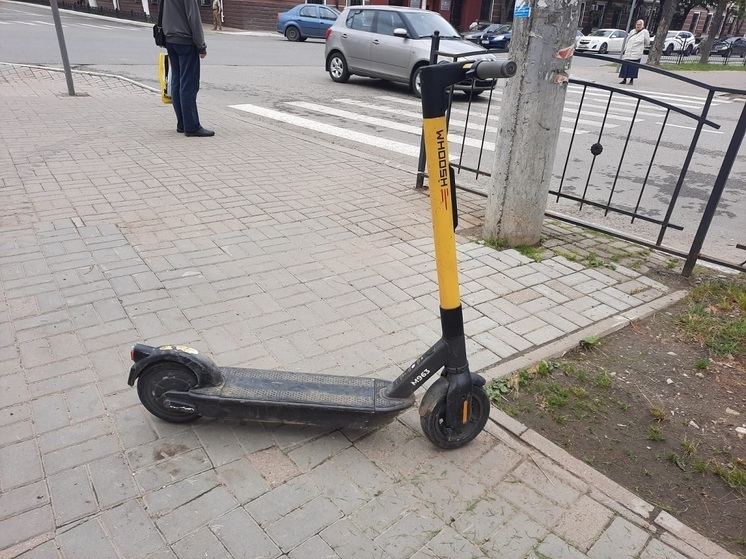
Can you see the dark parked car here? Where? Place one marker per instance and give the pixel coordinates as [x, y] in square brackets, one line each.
[476, 36]
[730, 46]
[499, 38]
[306, 20]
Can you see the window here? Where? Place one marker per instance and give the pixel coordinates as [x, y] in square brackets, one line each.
[695, 21]
[326, 13]
[362, 20]
[309, 11]
[354, 2]
[708, 21]
[387, 22]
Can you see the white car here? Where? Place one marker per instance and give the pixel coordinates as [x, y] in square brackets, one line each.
[678, 41]
[602, 41]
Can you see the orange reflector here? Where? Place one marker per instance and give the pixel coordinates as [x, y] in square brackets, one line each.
[132, 353]
[465, 412]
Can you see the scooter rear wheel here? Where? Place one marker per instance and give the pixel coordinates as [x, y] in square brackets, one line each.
[158, 379]
[433, 424]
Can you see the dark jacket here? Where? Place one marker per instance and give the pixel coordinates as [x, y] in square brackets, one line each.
[182, 23]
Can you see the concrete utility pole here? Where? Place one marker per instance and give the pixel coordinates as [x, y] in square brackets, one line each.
[542, 46]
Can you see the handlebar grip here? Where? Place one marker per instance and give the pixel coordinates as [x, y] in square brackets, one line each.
[491, 69]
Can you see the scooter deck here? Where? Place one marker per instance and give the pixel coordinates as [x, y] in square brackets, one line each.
[259, 385]
[292, 397]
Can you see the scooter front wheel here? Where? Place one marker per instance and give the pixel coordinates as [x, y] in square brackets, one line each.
[434, 427]
[158, 379]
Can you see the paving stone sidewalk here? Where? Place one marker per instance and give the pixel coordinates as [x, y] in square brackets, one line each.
[263, 246]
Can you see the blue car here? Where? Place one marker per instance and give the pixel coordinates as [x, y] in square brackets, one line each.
[306, 20]
[498, 39]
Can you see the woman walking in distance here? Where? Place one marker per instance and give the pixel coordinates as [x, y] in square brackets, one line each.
[216, 13]
[637, 40]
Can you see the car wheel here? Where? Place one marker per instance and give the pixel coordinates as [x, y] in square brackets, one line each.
[668, 51]
[415, 82]
[292, 34]
[473, 94]
[338, 68]
[603, 49]
[688, 50]
[507, 45]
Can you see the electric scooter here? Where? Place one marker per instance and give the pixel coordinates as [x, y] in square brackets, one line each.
[179, 384]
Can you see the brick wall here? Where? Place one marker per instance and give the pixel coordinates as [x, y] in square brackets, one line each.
[257, 16]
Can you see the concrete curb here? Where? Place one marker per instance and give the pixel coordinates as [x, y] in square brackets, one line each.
[570, 341]
[84, 72]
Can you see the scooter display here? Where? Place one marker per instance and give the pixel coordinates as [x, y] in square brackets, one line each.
[179, 384]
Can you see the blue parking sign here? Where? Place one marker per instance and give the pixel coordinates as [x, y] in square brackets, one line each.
[522, 9]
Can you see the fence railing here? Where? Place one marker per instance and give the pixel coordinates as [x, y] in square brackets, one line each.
[601, 170]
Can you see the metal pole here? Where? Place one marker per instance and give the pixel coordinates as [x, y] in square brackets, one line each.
[63, 48]
[717, 192]
[629, 24]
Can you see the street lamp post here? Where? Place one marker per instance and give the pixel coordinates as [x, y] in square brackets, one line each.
[63, 48]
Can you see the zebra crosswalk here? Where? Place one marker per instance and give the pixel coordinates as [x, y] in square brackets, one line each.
[68, 25]
[393, 124]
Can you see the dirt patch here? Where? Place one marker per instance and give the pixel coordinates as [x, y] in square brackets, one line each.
[657, 407]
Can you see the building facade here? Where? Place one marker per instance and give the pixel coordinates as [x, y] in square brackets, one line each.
[261, 15]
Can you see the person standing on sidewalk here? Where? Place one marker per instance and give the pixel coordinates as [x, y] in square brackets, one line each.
[637, 40]
[185, 43]
[217, 14]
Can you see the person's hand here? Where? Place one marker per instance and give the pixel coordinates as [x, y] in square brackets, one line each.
[202, 55]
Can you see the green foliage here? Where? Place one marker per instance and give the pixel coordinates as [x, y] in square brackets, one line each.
[697, 67]
[589, 342]
[602, 380]
[532, 252]
[655, 434]
[716, 317]
[658, 414]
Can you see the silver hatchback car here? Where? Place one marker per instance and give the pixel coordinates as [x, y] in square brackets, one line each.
[393, 43]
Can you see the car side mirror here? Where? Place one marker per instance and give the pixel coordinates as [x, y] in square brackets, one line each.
[400, 32]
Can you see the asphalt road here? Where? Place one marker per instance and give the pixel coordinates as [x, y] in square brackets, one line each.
[270, 77]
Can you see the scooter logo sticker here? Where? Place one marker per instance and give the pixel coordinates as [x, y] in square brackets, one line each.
[182, 348]
[443, 179]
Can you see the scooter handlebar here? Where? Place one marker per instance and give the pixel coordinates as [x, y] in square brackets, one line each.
[492, 69]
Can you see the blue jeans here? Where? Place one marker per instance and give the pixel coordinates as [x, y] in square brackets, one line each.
[184, 63]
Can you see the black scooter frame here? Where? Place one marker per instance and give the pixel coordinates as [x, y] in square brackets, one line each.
[177, 383]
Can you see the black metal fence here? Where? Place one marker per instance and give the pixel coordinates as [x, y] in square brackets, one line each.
[595, 169]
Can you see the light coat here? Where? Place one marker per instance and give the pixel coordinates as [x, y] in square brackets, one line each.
[636, 43]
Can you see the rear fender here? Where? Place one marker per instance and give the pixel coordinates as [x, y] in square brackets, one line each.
[207, 372]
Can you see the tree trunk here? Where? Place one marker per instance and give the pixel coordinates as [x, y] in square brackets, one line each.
[669, 8]
[706, 46]
[530, 118]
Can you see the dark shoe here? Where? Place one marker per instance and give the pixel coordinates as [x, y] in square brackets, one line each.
[180, 130]
[623, 82]
[202, 133]
[631, 82]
